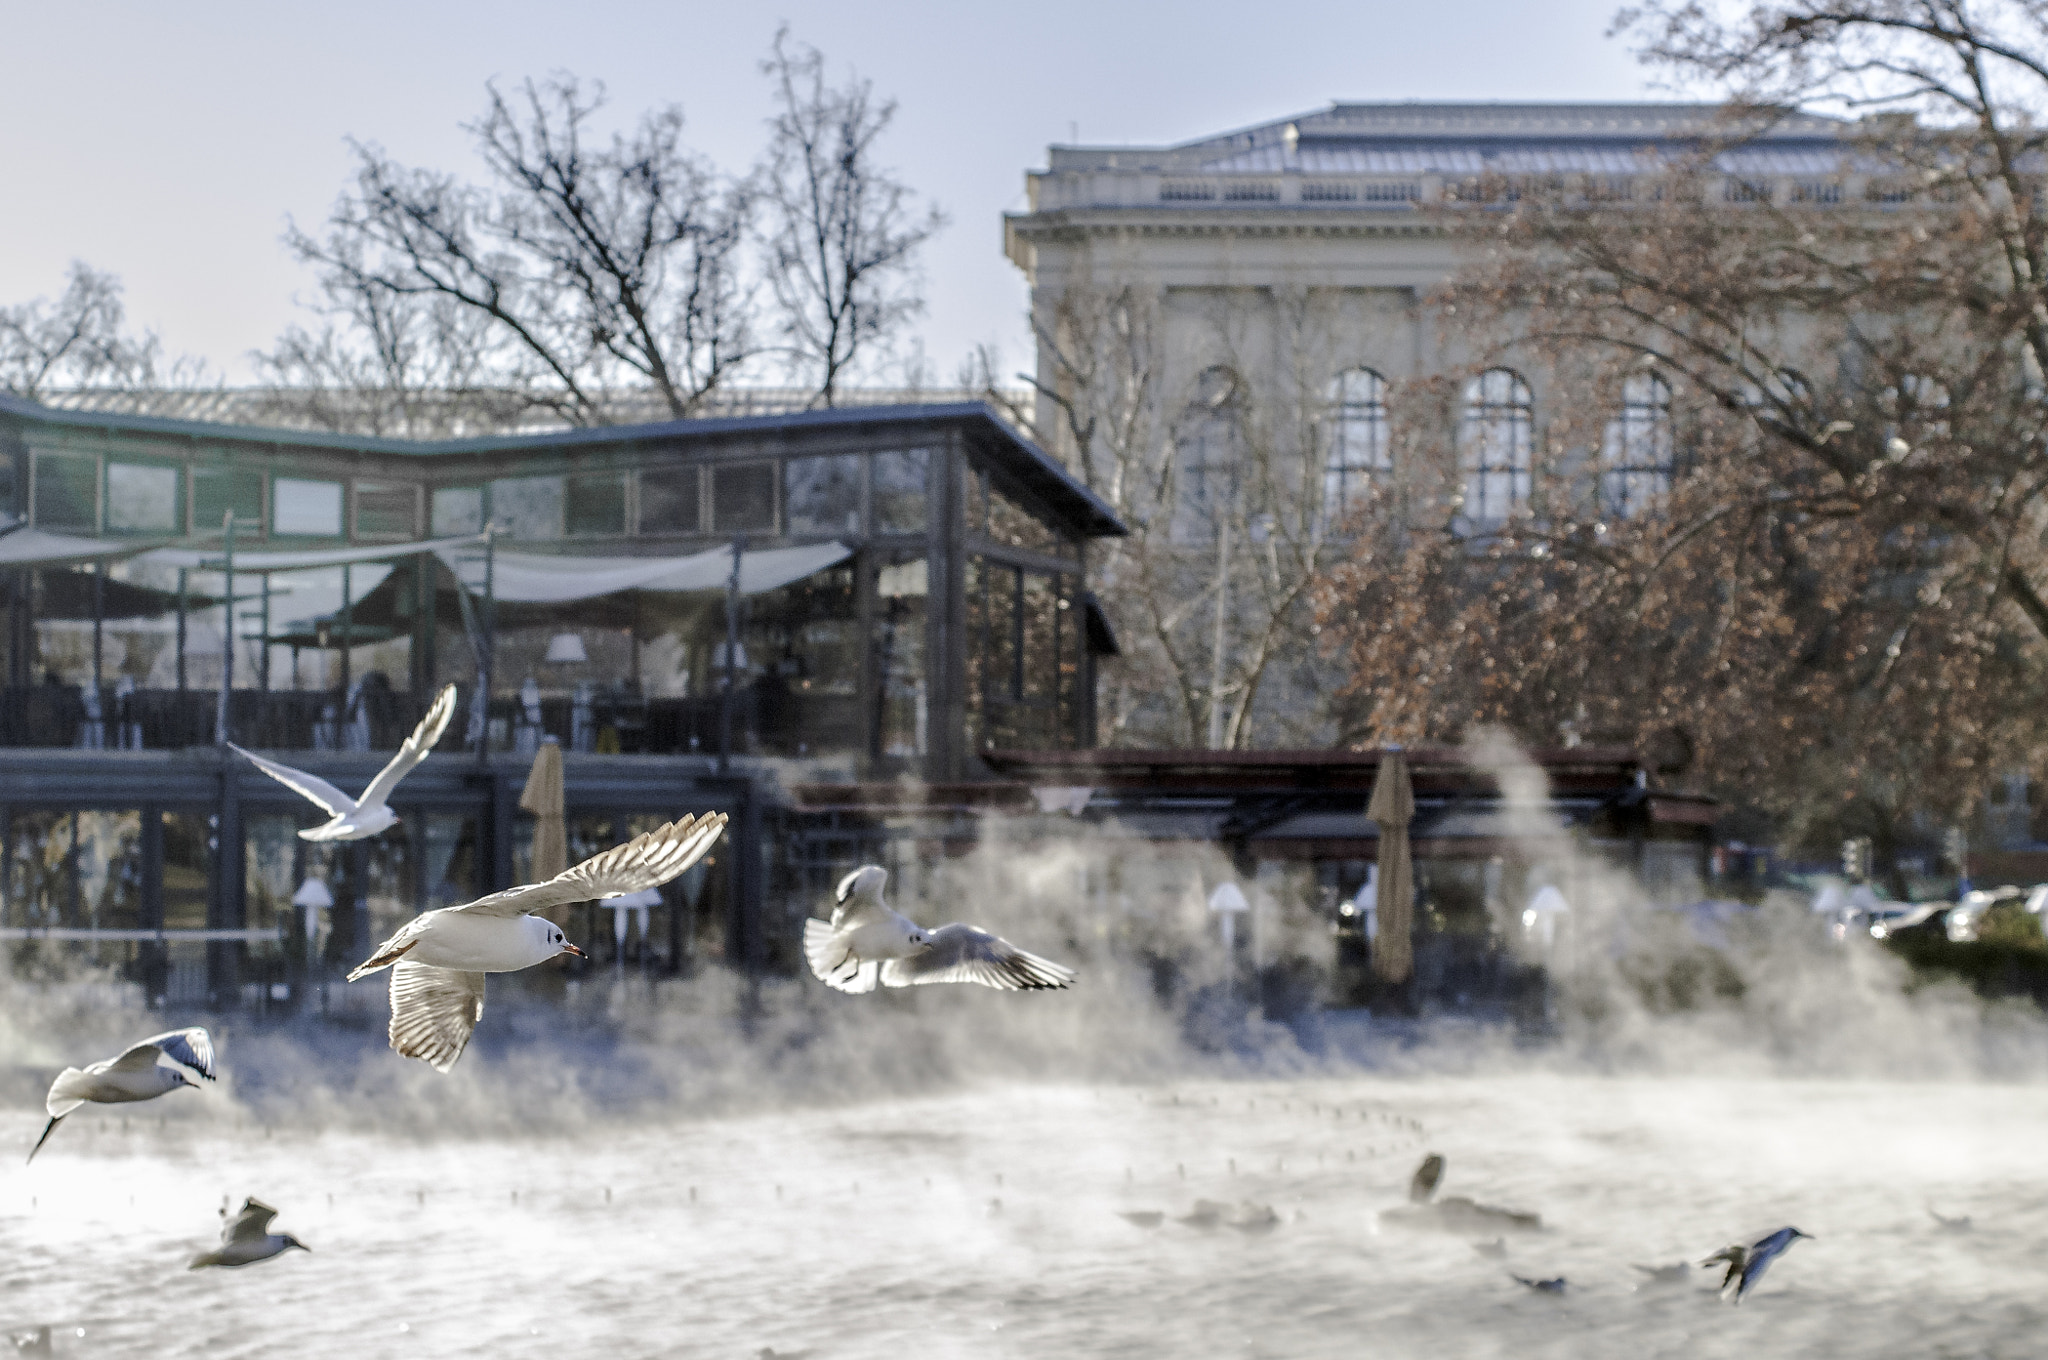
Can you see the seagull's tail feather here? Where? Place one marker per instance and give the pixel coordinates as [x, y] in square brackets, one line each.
[380, 960]
[832, 963]
[69, 1091]
[48, 1129]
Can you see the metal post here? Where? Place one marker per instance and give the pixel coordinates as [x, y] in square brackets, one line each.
[227, 609]
[263, 657]
[732, 648]
[486, 661]
[181, 629]
[348, 611]
[99, 617]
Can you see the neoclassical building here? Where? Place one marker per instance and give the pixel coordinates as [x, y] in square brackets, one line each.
[1235, 338]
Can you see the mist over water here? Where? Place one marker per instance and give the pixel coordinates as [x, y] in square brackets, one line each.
[818, 1174]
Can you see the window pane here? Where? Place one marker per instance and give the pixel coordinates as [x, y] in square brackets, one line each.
[901, 590]
[141, 498]
[528, 507]
[303, 507]
[215, 491]
[668, 501]
[901, 498]
[743, 497]
[458, 510]
[67, 491]
[387, 509]
[822, 495]
[597, 504]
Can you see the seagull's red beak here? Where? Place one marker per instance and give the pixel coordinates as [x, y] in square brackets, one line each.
[572, 949]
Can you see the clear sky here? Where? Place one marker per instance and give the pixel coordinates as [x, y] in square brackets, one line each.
[169, 143]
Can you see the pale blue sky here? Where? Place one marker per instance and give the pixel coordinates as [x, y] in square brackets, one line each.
[168, 143]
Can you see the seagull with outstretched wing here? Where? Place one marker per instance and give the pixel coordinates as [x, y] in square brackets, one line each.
[135, 1075]
[866, 943]
[439, 958]
[352, 819]
[246, 1238]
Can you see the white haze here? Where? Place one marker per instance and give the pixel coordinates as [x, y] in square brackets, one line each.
[1817, 1091]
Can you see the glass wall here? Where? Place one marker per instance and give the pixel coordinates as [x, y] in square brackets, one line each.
[1023, 658]
[903, 702]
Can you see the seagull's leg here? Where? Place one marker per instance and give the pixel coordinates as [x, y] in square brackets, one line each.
[48, 1129]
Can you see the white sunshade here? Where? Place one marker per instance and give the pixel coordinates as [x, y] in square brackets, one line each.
[213, 559]
[34, 548]
[537, 578]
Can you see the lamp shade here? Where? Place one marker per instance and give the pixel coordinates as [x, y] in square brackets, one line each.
[313, 893]
[567, 648]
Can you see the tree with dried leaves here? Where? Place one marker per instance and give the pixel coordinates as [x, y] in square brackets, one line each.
[590, 267]
[1840, 595]
[840, 234]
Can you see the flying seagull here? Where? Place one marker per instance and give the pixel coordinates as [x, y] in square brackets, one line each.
[1747, 1264]
[246, 1239]
[1957, 1224]
[135, 1075]
[352, 819]
[866, 942]
[437, 985]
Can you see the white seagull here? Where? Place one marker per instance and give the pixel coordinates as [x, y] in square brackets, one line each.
[135, 1075]
[437, 985]
[1747, 1264]
[866, 942]
[351, 819]
[246, 1239]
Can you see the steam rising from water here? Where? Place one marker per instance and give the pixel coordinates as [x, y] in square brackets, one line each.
[819, 1173]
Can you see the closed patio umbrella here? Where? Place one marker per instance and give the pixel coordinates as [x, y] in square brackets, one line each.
[1392, 806]
[543, 798]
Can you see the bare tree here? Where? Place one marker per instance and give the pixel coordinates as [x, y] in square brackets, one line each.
[77, 341]
[593, 267]
[841, 235]
[1211, 456]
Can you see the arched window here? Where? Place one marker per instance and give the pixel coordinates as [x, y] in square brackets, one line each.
[1496, 440]
[1637, 456]
[1357, 447]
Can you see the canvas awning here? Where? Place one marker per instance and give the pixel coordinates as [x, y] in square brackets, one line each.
[35, 548]
[539, 578]
[302, 559]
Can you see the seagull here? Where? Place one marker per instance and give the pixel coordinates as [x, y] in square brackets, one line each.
[246, 1239]
[1960, 1223]
[1746, 1265]
[135, 1075]
[1550, 1286]
[1422, 1186]
[440, 957]
[866, 942]
[354, 819]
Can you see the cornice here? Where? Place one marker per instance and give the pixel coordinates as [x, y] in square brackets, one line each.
[1068, 224]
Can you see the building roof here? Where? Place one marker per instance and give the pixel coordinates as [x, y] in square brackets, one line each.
[1414, 137]
[1024, 461]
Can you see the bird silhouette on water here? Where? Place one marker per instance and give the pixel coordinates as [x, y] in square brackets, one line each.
[1671, 1274]
[1207, 1213]
[1957, 1224]
[1747, 1264]
[1142, 1218]
[1555, 1285]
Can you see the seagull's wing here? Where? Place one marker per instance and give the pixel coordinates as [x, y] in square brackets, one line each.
[433, 1012]
[963, 953]
[855, 912]
[644, 862]
[251, 1224]
[191, 1048]
[415, 749]
[832, 963]
[308, 786]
